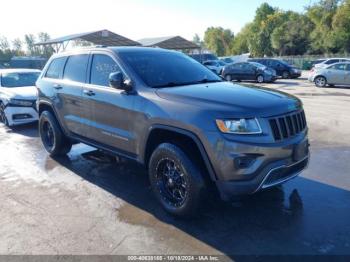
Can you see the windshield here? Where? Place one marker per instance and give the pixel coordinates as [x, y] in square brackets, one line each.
[165, 68]
[19, 79]
[222, 63]
[258, 65]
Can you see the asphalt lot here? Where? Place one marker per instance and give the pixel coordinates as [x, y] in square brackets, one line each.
[88, 203]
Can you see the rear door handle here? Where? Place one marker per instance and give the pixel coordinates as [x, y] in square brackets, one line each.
[57, 86]
[89, 92]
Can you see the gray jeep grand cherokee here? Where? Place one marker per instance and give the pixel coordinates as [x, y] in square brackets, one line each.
[173, 115]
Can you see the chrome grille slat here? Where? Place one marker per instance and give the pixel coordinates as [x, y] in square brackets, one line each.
[288, 125]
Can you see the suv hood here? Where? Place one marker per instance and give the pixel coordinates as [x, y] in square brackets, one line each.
[25, 92]
[233, 100]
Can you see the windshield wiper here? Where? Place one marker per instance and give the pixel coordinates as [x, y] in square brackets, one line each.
[205, 80]
[171, 84]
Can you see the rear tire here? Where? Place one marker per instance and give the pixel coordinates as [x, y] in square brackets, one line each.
[320, 81]
[228, 78]
[52, 137]
[175, 180]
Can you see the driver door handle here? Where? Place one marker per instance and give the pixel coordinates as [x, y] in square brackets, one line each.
[57, 86]
[89, 92]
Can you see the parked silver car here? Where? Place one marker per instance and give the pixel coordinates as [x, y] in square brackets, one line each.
[335, 74]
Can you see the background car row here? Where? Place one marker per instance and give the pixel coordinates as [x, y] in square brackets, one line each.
[18, 92]
[332, 71]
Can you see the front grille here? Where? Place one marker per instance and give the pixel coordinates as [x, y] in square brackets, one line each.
[288, 125]
[283, 173]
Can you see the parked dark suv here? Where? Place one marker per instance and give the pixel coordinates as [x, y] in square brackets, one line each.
[282, 68]
[170, 113]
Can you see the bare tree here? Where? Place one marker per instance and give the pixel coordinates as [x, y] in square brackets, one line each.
[4, 43]
[17, 46]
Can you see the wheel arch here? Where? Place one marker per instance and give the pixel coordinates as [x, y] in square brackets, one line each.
[162, 133]
[47, 106]
[320, 75]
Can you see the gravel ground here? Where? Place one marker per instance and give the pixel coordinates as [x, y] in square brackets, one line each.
[88, 203]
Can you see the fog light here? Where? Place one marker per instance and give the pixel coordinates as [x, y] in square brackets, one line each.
[21, 116]
[244, 161]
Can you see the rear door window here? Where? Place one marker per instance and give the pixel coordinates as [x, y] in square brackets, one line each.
[55, 69]
[75, 69]
[101, 67]
[338, 67]
[271, 63]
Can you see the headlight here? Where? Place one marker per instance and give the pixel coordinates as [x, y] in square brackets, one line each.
[239, 126]
[20, 102]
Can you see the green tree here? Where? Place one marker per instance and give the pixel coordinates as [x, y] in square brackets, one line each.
[341, 27]
[219, 40]
[321, 14]
[260, 31]
[197, 40]
[291, 36]
[240, 42]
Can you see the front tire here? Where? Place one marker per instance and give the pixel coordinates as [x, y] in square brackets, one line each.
[260, 79]
[175, 180]
[285, 75]
[320, 81]
[52, 137]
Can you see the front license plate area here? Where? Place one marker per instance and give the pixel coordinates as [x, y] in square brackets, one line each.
[300, 151]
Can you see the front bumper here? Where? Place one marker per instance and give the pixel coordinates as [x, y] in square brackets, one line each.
[270, 78]
[311, 78]
[295, 74]
[273, 175]
[20, 115]
[245, 168]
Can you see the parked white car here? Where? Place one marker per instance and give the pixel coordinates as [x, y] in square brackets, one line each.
[330, 61]
[18, 96]
[215, 65]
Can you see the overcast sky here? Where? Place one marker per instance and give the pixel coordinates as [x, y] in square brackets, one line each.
[134, 19]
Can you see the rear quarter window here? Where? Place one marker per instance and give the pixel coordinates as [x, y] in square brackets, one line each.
[55, 69]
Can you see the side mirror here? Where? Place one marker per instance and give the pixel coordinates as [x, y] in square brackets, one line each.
[116, 80]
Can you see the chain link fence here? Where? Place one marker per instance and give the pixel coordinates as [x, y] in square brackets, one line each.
[305, 62]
